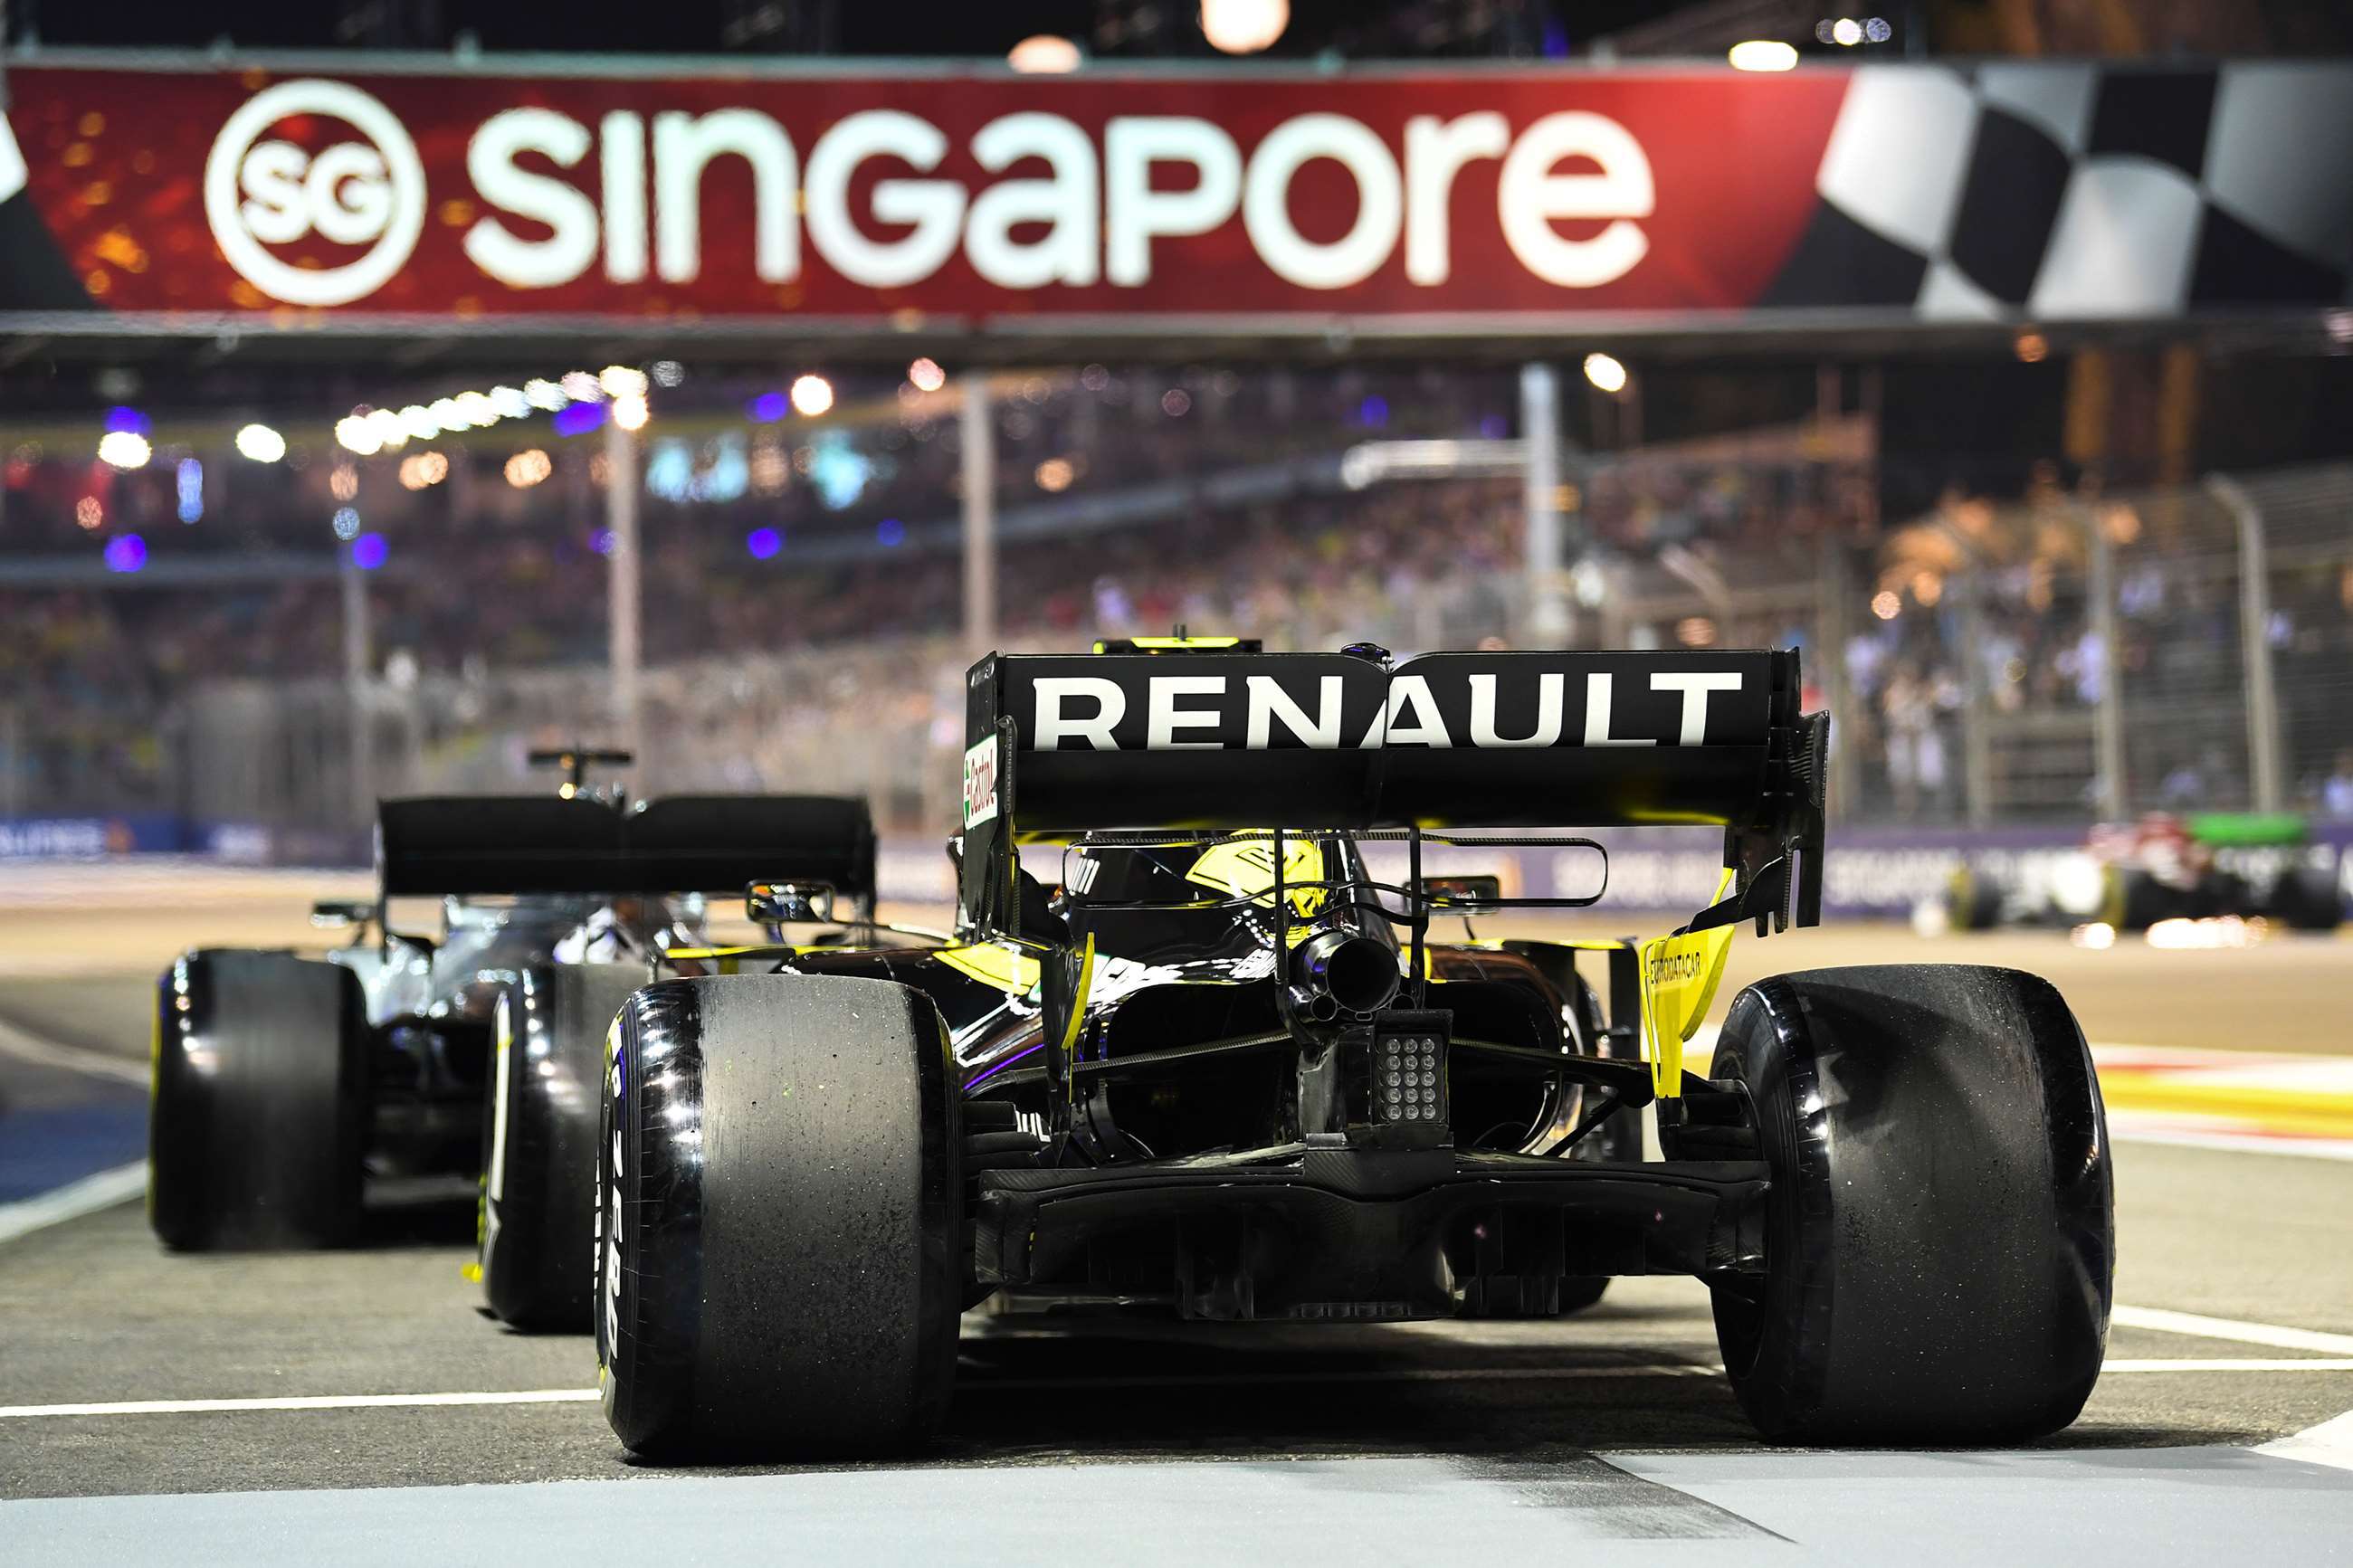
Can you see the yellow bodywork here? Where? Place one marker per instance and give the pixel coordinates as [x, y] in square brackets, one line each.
[1680, 974]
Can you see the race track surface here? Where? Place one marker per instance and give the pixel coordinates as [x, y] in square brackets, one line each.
[1610, 1435]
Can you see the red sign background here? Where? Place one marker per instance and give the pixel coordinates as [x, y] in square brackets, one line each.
[117, 165]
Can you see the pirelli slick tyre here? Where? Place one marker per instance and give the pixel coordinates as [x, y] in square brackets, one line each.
[777, 1267]
[537, 1257]
[257, 1133]
[1940, 1233]
[1972, 901]
[2305, 899]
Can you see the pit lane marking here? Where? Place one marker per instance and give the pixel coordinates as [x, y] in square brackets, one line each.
[975, 1385]
[72, 1201]
[299, 1402]
[30, 1048]
[2330, 1444]
[2233, 1328]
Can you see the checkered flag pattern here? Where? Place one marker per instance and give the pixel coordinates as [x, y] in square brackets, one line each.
[2081, 192]
[32, 274]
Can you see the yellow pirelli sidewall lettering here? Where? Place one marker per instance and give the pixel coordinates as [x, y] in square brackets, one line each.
[1680, 974]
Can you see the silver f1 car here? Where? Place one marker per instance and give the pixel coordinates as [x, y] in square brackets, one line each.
[1193, 1054]
[282, 1081]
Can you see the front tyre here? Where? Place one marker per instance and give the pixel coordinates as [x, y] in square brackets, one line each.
[778, 1271]
[1940, 1233]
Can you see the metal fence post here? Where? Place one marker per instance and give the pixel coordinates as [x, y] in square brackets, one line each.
[624, 599]
[361, 794]
[1547, 624]
[2108, 712]
[2266, 759]
[1976, 738]
[978, 436]
[1833, 631]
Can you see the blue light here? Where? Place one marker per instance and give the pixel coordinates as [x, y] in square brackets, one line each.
[368, 552]
[669, 471]
[727, 475]
[601, 541]
[837, 470]
[347, 522]
[578, 418]
[126, 553]
[891, 532]
[1373, 411]
[131, 419]
[764, 543]
[768, 408]
[191, 489]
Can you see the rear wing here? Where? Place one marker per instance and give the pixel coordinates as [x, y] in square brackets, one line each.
[442, 845]
[1059, 745]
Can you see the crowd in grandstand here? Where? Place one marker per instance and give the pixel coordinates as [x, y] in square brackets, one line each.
[752, 545]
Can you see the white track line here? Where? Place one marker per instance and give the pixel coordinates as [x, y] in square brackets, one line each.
[28, 1047]
[1025, 1384]
[2330, 1444]
[2198, 1327]
[2258, 1363]
[72, 1201]
[2125, 1128]
[299, 1402]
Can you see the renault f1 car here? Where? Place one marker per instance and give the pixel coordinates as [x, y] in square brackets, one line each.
[1196, 1053]
[282, 1081]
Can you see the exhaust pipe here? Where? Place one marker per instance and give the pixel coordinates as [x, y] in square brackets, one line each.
[1344, 971]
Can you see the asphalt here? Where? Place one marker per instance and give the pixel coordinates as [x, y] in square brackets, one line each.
[1612, 1425]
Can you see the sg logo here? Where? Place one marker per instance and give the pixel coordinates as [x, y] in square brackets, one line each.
[259, 194]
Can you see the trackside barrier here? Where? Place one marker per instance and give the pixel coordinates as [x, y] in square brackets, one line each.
[1869, 873]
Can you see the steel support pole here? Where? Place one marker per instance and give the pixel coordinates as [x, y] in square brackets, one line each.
[1977, 719]
[358, 705]
[2109, 713]
[624, 601]
[979, 455]
[2267, 759]
[1832, 632]
[1547, 607]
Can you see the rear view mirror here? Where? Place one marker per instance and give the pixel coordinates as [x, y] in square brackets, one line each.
[1463, 895]
[789, 903]
[335, 914]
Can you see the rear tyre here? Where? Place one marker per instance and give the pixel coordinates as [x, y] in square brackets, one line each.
[258, 1130]
[778, 1270]
[2137, 900]
[1940, 1233]
[1972, 901]
[539, 1161]
[2305, 899]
